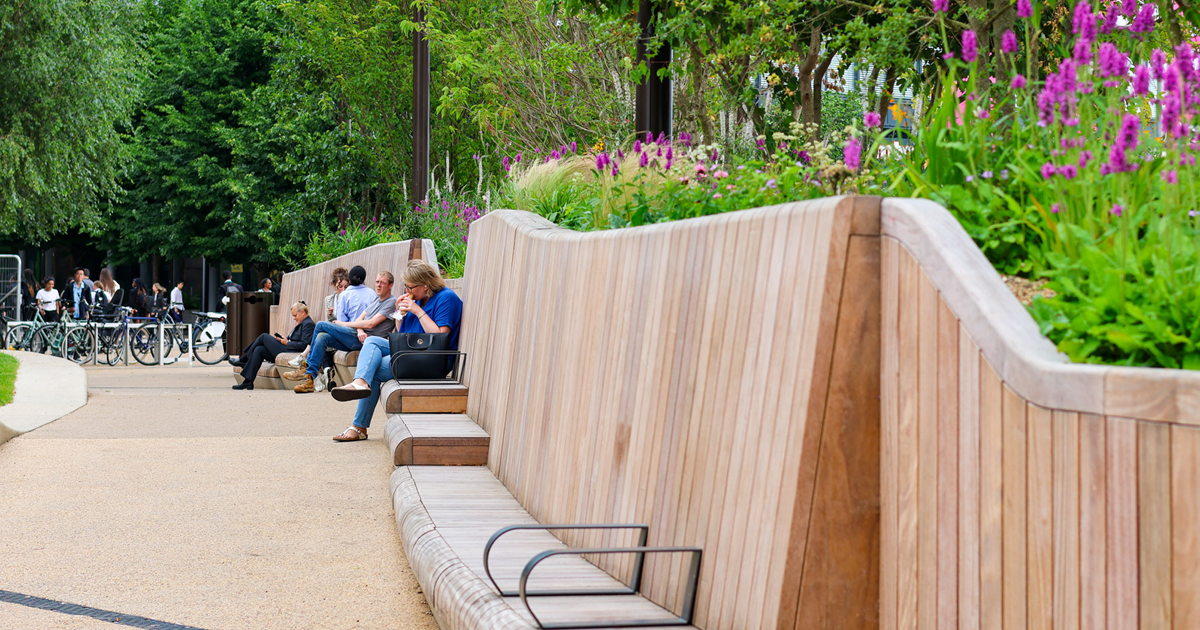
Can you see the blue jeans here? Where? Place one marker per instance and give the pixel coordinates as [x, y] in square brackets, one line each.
[327, 335]
[375, 369]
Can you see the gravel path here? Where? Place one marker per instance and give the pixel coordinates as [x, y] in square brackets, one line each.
[171, 497]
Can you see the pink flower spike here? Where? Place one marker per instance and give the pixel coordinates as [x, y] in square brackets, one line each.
[1116, 209]
[970, 47]
[1141, 80]
[1055, 208]
[716, 195]
[1008, 42]
[941, 6]
[1048, 170]
[1025, 8]
[852, 154]
[1019, 82]
[871, 120]
[1171, 176]
[1144, 22]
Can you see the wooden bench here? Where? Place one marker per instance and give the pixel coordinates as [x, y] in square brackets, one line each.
[417, 397]
[751, 433]
[270, 375]
[450, 520]
[436, 440]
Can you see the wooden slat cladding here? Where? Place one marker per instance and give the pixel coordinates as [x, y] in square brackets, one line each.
[715, 378]
[311, 284]
[1041, 517]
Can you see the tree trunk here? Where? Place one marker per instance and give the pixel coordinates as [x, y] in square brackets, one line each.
[885, 97]
[872, 104]
[818, 86]
[1002, 66]
[1170, 12]
[805, 102]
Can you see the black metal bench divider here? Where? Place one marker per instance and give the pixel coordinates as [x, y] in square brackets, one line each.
[456, 373]
[635, 582]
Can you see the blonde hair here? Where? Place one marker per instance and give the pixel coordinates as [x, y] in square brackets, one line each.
[300, 306]
[420, 272]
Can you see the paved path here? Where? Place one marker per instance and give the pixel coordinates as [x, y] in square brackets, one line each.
[171, 497]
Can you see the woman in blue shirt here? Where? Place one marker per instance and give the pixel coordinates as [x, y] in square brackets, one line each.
[426, 306]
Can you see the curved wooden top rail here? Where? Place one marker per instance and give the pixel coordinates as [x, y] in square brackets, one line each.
[1009, 338]
[311, 284]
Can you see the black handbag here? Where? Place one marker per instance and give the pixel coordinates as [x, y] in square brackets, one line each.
[407, 349]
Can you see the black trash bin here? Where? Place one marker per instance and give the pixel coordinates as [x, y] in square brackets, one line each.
[249, 317]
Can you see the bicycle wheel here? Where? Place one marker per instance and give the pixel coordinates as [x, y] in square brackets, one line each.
[208, 343]
[18, 337]
[79, 345]
[112, 344]
[143, 344]
[43, 340]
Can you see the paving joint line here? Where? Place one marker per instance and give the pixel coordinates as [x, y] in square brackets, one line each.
[133, 621]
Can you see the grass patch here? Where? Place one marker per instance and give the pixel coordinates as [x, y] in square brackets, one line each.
[8, 378]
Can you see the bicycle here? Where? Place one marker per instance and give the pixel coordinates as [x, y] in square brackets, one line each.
[208, 338]
[110, 333]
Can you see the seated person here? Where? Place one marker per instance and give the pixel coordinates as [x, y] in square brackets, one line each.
[267, 347]
[339, 280]
[426, 306]
[374, 320]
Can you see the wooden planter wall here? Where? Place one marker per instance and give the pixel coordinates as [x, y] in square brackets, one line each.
[715, 378]
[1019, 491]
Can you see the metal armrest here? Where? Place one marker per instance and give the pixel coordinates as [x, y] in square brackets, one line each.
[689, 598]
[635, 582]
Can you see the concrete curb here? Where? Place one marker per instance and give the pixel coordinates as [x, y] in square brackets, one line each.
[48, 388]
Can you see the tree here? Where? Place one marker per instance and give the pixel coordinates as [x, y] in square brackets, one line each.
[69, 73]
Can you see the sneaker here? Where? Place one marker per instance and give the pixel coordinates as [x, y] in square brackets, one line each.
[296, 375]
[305, 387]
[298, 362]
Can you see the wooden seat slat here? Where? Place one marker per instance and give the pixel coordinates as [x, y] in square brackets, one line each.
[436, 440]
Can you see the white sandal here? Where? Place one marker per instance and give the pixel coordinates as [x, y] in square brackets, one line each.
[351, 391]
[353, 434]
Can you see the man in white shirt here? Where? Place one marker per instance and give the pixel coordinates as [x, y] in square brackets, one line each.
[177, 301]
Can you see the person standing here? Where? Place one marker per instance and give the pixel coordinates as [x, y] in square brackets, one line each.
[177, 301]
[79, 294]
[226, 287]
[29, 289]
[48, 300]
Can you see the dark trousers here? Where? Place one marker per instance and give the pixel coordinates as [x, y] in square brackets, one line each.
[265, 348]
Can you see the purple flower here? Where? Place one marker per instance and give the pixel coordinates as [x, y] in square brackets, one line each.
[803, 157]
[670, 154]
[1008, 42]
[1084, 157]
[1113, 62]
[1185, 59]
[1048, 170]
[615, 169]
[1110, 19]
[554, 155]
[852, 154]
[505, 162]
[1193, 213]
[986, 174]
[637, 146]
[1025, 8]
[1003, 173]
[662, 138]
[342, 233]
[1127, 137]
[1128, 7]
[1171, 176]
[969, 46]
[1084, 23]
[1158, 62]
[771, 184]
[601, 161]
[1055, 208]
[1082, 52]
[1141, 80]
[716, 195]
[574, 147]
[1116, 209]
[518, 158]
[1144, 22]
[685, 139]
[1018, 82]
[970, 178]
[941, 6]
[1068, 171]
[871, 120]
[643, 160]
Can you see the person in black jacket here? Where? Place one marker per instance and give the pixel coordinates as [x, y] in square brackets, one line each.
[78, 295]
[267, 347]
